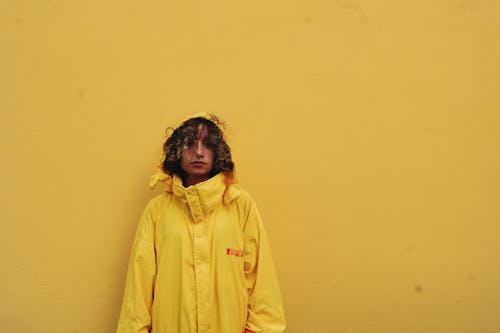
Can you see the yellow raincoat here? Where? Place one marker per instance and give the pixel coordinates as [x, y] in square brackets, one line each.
[201, 263]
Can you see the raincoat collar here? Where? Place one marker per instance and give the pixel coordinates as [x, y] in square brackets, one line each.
[201, 199]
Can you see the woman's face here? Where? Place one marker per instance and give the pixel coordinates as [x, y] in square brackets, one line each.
[197, 159]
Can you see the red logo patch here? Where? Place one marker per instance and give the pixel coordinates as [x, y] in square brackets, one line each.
[233, 252]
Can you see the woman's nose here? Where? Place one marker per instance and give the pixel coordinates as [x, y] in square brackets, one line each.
[198, 148]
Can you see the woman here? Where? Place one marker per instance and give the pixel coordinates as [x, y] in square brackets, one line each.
[200, 261]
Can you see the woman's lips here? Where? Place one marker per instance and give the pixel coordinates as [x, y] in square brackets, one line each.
[198, 163]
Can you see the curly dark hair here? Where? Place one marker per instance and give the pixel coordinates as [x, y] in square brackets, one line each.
[187, 135]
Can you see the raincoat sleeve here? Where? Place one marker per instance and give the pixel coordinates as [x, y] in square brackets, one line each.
[135, 315]
[265, 305]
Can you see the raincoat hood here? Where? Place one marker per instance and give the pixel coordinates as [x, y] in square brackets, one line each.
[168, 181]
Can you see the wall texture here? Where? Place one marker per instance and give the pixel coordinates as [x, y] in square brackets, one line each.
[367, 131]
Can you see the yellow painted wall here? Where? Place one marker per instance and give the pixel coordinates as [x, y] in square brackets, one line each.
[367, 131]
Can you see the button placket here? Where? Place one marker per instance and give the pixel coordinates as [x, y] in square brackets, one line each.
[200, 251]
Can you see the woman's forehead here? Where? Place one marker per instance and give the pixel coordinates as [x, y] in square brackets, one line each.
[196, 131]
